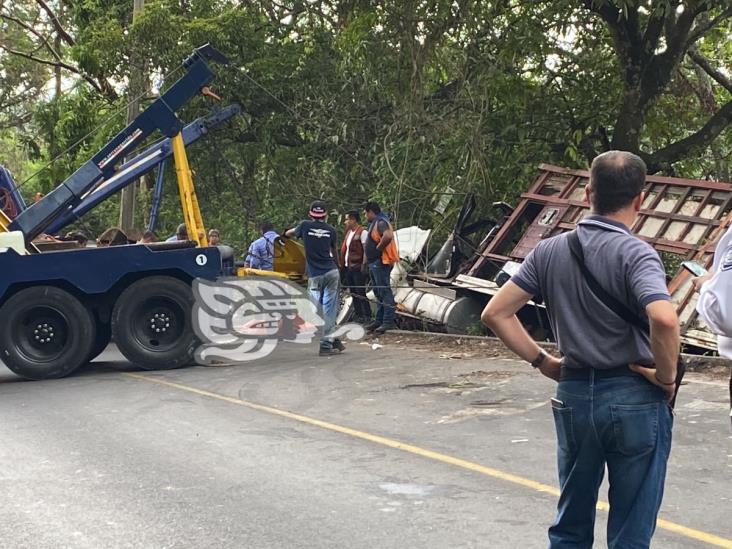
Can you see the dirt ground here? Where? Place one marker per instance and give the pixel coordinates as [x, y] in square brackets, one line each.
[449, 347]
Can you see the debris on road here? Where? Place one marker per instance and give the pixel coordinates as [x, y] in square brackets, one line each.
[453, 356]
[488, 347]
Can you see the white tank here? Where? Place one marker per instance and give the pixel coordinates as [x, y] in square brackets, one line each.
[456, 313]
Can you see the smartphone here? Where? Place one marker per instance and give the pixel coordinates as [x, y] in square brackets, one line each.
[556, 403]
[694, 268]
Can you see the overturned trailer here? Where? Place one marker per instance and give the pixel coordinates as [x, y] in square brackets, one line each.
[681, 218]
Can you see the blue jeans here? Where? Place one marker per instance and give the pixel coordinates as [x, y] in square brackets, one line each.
[625, 423]
[381, 280]
[324, 291]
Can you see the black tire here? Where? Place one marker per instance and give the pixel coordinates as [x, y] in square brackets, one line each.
[104, 336]
[46, 333]
[134, 323]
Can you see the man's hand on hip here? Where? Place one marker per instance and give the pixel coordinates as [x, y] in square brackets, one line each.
[668, 387]
[551, 367]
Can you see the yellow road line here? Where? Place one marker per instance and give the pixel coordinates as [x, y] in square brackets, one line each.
[437, 456]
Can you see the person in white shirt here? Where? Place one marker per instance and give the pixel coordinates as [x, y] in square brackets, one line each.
[354, 267]
[715, 299]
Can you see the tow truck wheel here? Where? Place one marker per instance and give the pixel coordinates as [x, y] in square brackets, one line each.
[101, 341]
[45, 333]
[151, 323]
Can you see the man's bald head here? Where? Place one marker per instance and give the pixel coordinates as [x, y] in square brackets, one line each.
[616, 178]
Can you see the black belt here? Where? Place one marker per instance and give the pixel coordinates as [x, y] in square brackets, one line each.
[584, 373]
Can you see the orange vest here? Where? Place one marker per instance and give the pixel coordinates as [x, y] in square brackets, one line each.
[390, 254]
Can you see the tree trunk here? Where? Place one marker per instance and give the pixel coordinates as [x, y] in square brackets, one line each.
[630, 121]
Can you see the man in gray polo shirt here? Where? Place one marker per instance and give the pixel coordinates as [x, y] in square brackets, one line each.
[614, 380]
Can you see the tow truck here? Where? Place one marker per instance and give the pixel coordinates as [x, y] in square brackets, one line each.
[59, 309]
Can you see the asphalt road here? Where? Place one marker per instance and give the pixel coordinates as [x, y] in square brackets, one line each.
[112, 457]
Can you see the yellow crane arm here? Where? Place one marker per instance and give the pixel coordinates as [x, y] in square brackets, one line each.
[4, 222]
[186, 189]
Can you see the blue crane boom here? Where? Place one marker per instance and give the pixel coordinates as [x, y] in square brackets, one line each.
[11, 202]
[159, 115]
[154, 156]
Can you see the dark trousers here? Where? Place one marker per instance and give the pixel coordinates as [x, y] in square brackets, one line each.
[381, 279]
[356, 284]
[622, 423]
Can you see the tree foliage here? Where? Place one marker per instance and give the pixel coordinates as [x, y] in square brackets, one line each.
[399, 100]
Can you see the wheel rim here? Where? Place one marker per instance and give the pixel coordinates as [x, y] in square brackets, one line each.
[345, 308]
[42, 333]
[158, 324]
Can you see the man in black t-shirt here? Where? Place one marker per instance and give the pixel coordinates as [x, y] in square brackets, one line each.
[320, 241]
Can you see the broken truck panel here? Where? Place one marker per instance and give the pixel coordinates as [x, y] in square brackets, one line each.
[447, 260]
[411, 242]
[683, 217]
[678, 216]
[471, 233]
[429, 298]
[459, 249]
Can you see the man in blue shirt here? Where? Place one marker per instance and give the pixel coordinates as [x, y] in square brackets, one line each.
[261, 252]
[320, 241]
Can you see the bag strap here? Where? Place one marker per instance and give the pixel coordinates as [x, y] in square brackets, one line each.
[618, 307]
[610, 301]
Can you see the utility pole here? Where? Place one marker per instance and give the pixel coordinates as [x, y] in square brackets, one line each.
[136, 88]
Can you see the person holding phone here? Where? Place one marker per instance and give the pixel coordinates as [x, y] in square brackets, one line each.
[715, 299]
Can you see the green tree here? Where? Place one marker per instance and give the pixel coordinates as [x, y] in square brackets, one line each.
[396, 100]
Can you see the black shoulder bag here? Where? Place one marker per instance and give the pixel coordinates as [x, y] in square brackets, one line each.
[614, 304]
